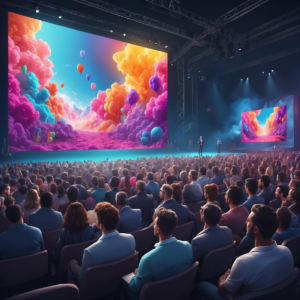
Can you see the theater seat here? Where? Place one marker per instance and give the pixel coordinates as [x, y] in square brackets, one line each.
[184, 231]
[144, 239]
[294, 245]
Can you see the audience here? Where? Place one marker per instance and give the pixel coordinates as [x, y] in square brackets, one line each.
[217, 179]
[211, 191]
[203, 179]
[23, 192]
[266, 193]
[294, 197]
[110, 196]
[281, 194]
[30, 205]
[251, 186]
[73, 196]
[99, 193]
[152, 187]
[60, 197]
[192, 192]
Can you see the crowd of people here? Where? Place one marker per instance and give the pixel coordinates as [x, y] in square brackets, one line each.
[107, 200]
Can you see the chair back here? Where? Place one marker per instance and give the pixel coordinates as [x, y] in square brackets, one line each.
[50, 239]
[57, 292]
[284, 290]
[127, 190]
[275, 204]
[90, 203]
[221, 187]
[3, 228]
[69, 252]
[177, 287]
[23, 269]
[216, 262]
[102, 280]
[294, 245]
[221, 199]
[184, 231]
[144, 239]
[198, 220]
[195, 207]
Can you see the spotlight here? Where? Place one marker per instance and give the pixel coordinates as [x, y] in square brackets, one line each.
[262, 72]
[155, 42]
[166, 44]
[111, 29]
[202, 78]
[37, 10]
[171, 64]
[241, 78]
[247, 78]
[272, 70]
[269, 73]
[59, 13]
[124, 31]
[240, 47]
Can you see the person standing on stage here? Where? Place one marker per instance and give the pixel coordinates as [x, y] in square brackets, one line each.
[200, 142]
[219, 142]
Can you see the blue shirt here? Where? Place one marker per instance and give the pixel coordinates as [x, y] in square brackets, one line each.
[253, 200]
[20, 240]
[287, 234]
[217, 179]
[203, 180]
[20, 199]
[98, 195]
[219, 142]
[152, 188]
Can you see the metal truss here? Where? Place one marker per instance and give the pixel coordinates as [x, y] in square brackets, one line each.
[199, 56]
[181, 100]
[195, 117]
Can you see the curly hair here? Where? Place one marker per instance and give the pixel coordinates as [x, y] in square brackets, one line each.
[108, 215]
[212, 191]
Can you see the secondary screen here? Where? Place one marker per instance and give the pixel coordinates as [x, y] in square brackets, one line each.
[71, 90]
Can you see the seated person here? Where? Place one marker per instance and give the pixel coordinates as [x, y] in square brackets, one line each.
[8, 201]
[264, 182]
[60, 198]
[203, 179]
[212, 236]
[130, 219]
[110, 196]
[23, 192]
[251, 186]
[192, 192]
[76, 228]
[211, 191]
[100, 192]
[294, 197]
[217, 179]
[46, 219]
[265, 266]
[170, 256]
[19, 239]
[30, 205]
[281, 194]
[111, 246]
[152, 186]
[73, 196]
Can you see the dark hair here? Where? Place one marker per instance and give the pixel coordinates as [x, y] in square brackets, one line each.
[150, 176]
[194, 174]
[46, 199]
[72, 179]
[283, 189]
[265, 219]
[13, 182]
[234, 170]
[262, 169]
[49, 178]
[6, 179]
[245, 173]
[295, 193]
[235, 193]
[239, 183]
[61, 191]
[203, 170]
[141, 185]
[166, 220]
[101, 182]
[115, 181]
[170, 179]
[139, 176]
[13, 213]
[212, 214]
[22, 181]
[8, 200]
[212, 190]
[121, 198]
[284, 217]
[215, 170]
[53, 188]
[78, 180]
[23, 189]
[115, 172]
[73, 194]
[95, 181]
[3, 187]
[266, 180]
[177, 192]
[252, 185]
[75, 218]
[281, 176]
[107, 215]
[24, 173]
[297, 173]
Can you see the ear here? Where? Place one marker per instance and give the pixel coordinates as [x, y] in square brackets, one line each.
[256, 230]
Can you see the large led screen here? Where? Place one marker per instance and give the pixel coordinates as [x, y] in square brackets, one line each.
[265, 125]
[71, 90]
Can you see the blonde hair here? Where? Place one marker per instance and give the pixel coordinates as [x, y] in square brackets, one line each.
[269, 171]
[32, 200]
[144, 172]
[227, 170]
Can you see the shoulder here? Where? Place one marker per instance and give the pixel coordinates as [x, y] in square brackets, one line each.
[224, 229]
[126, 236]
[183, 244]
[33, 230]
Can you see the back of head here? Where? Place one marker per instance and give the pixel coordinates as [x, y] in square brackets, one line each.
[13, 183]
[3, 188]
[170, 179]
[235, 194]
[177, 192]
[9, 200]
[23, 189]
[107, 215]
[101, 182]
[95, 181]
[61, 191]
[203, 170]
[284, 217]
[49, 178]
[78, 180]
[194, 175]
[115, 172]
[265, 179]
[215, 170]
[167, 189]
[281, 176]
[75, 218]
[121, 198]
[234, 170]
[212, 214]
[22, 181]
[46, 199]
[33, 178]
[239, 183]
[13, 213]
[139, 177]
[212, 191]
[166, 220]
[114, 182]
[32, 200]
[72, 179]
[141, 185]
[150, 176]
[73, 194]
[252, 185]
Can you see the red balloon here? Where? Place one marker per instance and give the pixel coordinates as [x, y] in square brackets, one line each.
[56, 133]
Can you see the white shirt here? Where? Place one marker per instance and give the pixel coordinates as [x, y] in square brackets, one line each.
[259, 269]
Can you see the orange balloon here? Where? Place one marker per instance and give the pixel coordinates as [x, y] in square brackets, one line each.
[80, 68]
[62, 84]
[49, 134]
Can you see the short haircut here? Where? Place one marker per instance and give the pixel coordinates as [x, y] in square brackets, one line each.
[239, 183]
[265, 219]
[252, 185]
[121, 198]
[9, 200]
[13, 182]
[73, 194]
[72, 179]
[150, 176]
[166, 220]
[170, 179]
[22, 181]
[23, 189]
[3, 187]
[212, 190]
[297, 173]
[284, 217]
[203, 170]
[139, 176]
[281, 176]
[166, 188]
[101, 182]
[141, 185]
[6, 179]
[235, 193]
[108, 215]
[78, 180]
[216, 170]
[194, 174]
[115, 172]
[212, 214]
[13, 213]
[49, 178]
[95, 181]
[234, 170]
[283, 189]
[266, 180]
[75, 218]
[24, 173]
[262, 169]
[46, 199]
[115, 181]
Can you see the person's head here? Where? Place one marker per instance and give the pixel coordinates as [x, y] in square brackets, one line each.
[73, 194]
[144, 172]
[193, 175]
[101, 182]
[72, 179]
[115, 172]
[284, 217]
[14, 214]
[23, 189]
[4, 190]
[8, 201]
[251, 186]
[294, 183]
[165, 222]
[264, 182]
[33, 178]
[78, 180]
[13, 184]
[39, 182]
[210, 214]
[36, 187]
[32, 200]
[226, 170]
[6, 180]
[150, 176]
[139, 176]
[140, 186]
[114, 182]
[107, 217]
[234, 170]
[121, 199]
[75, 218]
[95, 181]
[61, 191]
[175, 170]
[22, 181]
[183, 177]
[53, 188]
[49, 179]
[24, 173]
[215, 170]
[281, 177]
[245, 173]
[234, 195]
[177, 192]
[262, 222]
[297, 175]
[281, 191]
[170, 179]
[202, 171]
[211, 191]
[47, 200]
[166, 192]
[269, 171]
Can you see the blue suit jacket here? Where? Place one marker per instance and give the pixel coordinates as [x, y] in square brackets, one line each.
[152, 188]
[110, 196]
[82, 192]
[253, 200]
[192, 193]
[170, 257]
[130, 220]
[267, 195]
[20, 199]
[46, 219]
[217, 179]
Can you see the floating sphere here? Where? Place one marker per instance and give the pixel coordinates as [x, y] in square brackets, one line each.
[145, 141]
[133, 181]
[146, 134]
[156, 134]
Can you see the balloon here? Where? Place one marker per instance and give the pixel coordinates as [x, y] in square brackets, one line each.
[145, 141]
[133, 181]
[106, 116]
[62, 84]
[24, 69]
[145, 134]
[49, 134]
[156, 134]
[56, 133]
[53, 134]
[105, 106]
[82, 53]
[80, 68]
[122, 110]
[88, 76]
[63, 120]
[49, 140]
[113, 108]
[124, 118]
[93, 86]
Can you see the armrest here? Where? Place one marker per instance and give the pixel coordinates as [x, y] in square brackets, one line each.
[126, 279]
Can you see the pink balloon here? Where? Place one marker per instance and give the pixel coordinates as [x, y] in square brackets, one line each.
[126, 108]
[93, 86]
[106, 116]
[133, 181]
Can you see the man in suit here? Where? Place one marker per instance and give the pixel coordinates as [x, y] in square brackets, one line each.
[203, 179]
[192, 192]
[110, 196]
[110, 247]
[20, 239]
[152, 186]
[81, 188]
[130, 219]
[73, 195]
[281, 194]
[46, 219]
[170, 256]
[144, 202]
[251, 186]
[264, 182]
[219, 143]
[200, 142]
[217, 179]
[212, 236]
[235, 177]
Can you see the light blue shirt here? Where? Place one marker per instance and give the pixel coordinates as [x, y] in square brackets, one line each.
[166, 241]
[98, 195]
[152, 188]
[20, 199]
[203, 181]
[219, 142]
[253, 200]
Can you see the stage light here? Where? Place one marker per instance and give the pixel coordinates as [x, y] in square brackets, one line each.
[59, 13]
[262, 72]
[240, 47]
[124, 31]
[155, 41]
[111, 29]
[172, 64]
[37, 10]
[247, 78]
[241, 78]
[269, 73]
[272, 70]
[166, 44]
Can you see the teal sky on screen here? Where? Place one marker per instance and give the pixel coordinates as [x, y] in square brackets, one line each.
[264, 115]
[65, 45]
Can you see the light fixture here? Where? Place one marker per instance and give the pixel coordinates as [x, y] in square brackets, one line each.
[241, 78]
[272, 70]
[166, 44]
[155, 41]
[269, 73]
[240, 47]
[59, 13]
[111, 29]
[124, 31]
[37, 10]
[247, 78]
[262, 72]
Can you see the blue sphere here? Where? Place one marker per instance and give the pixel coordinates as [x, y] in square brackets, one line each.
[145, 141]
[156, 134]
[146, 134]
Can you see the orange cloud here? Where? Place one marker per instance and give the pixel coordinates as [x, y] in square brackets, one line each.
[54, 103]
